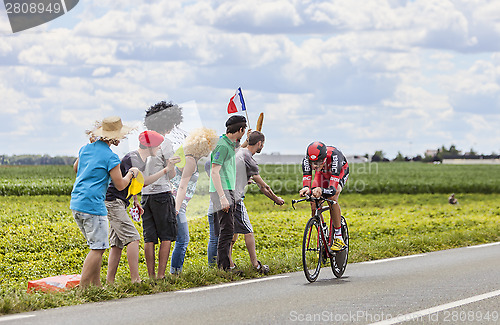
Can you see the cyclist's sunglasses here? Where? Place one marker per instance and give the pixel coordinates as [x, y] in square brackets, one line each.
[318, 163]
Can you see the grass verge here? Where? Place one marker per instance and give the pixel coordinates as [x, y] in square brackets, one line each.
[38, 238]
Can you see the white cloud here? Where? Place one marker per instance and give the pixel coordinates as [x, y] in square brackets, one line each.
[13, 101]
[365, 75]
[5, 47]
[112, 24]
[476, 89]
[101, 71]
[264, 16]
[84, 118]
[64, 49]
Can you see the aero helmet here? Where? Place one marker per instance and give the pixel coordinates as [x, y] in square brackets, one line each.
[316, 151]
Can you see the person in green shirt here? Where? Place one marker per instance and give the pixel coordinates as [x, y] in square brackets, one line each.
[222, 185]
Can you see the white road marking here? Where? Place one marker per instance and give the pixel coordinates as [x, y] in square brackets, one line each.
[14, 317]
[232, 284]
[484, 245]
[425, 312]
[392, 259]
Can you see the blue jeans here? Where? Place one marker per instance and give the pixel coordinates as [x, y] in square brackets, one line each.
[214, 238]
[181, 243]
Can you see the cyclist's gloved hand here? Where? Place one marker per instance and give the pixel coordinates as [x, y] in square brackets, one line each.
[305, 191]
[317, 192]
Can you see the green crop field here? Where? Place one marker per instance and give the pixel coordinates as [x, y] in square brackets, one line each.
[36, 180]
[39, 238]
[366, 178]
[394, 177]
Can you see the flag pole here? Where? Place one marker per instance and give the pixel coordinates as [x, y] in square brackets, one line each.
[245, 106]
[248, 121]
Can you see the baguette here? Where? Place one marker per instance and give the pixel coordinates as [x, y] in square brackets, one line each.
[259, 122]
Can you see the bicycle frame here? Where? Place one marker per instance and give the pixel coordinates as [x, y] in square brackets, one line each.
[318, 214]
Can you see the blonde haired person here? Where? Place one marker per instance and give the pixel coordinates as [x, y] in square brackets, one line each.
[95, 166]
[199, 143]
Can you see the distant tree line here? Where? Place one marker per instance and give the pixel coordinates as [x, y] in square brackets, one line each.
[434, 155]
[36, 160]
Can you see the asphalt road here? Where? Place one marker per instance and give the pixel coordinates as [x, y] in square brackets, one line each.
[459, 286]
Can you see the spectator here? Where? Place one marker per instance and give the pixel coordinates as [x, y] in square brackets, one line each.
[199, 143]
[122, 229]
[222, 184]
[95, 165]
[246, 168]
[159, 220]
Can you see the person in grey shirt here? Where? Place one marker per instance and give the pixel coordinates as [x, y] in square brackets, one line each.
[159, 219]
[246, 168]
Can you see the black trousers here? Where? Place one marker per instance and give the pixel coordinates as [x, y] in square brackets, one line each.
[226, 228]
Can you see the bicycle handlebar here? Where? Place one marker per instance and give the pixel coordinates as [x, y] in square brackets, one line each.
[315, 199]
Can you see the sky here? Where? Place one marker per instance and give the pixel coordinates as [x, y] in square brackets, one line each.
[361, 75]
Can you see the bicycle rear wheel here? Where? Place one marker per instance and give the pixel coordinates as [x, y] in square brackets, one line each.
[339, 260]
[312, 248]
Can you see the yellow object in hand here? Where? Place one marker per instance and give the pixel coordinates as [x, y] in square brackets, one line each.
[136, 185]
[180, 152]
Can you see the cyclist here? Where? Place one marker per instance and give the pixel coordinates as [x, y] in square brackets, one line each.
[331, 173]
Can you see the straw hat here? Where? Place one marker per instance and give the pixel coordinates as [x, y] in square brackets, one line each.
[111, 128]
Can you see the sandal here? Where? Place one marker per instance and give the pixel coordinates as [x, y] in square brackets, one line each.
[262, 268]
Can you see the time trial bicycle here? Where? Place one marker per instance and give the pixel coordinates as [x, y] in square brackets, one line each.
[317, 240]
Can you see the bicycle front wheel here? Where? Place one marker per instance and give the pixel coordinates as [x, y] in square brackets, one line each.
[312, 248]
[339, 260]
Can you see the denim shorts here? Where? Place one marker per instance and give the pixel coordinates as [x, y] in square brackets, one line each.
[94, 229]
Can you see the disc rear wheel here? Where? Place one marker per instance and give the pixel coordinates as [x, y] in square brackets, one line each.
[312, 247]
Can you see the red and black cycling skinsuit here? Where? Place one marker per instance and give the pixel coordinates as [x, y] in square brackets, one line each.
[335, 171]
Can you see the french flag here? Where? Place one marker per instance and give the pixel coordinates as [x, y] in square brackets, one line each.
[236, 103]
